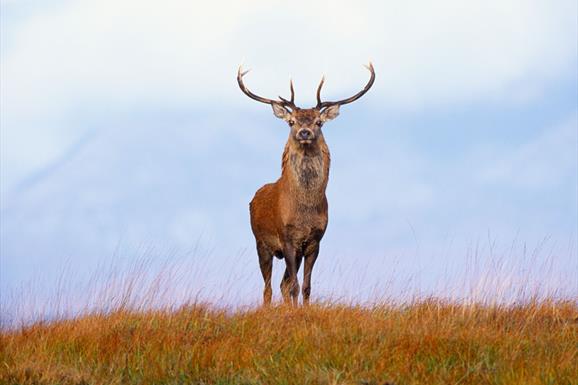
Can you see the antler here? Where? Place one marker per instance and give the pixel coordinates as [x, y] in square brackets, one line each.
[321, 104]
[282, 101]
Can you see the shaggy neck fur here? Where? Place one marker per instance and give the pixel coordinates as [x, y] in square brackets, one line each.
[306, 169]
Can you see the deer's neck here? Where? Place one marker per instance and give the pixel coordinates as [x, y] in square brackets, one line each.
[305, 170]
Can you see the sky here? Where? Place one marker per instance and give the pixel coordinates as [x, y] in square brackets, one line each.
[124, 136]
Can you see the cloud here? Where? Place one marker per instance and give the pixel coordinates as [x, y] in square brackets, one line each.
[71, 60]
[105, 53]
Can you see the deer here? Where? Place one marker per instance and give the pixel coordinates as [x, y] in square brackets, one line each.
[289, 217]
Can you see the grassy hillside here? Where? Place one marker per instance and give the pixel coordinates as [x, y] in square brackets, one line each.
[426, 342]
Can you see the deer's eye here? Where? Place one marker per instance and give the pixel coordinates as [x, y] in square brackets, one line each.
[291, 123]
[319, 123]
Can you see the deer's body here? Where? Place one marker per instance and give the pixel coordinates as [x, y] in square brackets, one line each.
[289, 217]
[293, 209]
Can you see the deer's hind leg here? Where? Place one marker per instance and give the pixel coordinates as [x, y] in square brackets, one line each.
[266, 265]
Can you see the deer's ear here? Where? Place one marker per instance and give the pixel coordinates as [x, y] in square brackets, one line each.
[330, 113]
[280, 111]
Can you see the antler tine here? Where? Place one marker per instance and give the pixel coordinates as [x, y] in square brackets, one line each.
[290, 103]
[258, 98]
[321, 105]
[319, 91]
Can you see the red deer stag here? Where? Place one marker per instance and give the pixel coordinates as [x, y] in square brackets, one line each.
[289, 217]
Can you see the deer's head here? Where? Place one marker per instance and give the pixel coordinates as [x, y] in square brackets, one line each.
[305, 123]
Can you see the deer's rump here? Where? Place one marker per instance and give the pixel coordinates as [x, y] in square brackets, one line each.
[265, 221]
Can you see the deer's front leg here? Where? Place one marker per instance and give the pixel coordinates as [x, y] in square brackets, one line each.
[290, 284]
[310, 259]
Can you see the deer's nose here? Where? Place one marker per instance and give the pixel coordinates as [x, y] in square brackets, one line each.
[305, 134]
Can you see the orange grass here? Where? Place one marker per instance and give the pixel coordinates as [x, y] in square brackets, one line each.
[425, 342]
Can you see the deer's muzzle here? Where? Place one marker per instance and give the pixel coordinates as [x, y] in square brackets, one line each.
[305, 135]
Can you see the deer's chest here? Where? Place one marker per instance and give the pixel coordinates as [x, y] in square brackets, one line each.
[306, 219]
[301, 235]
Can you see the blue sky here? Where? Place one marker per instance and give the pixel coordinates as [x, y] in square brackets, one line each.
[124, 134]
